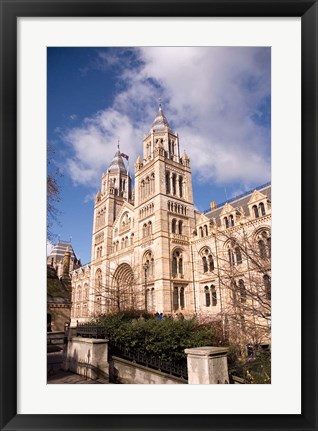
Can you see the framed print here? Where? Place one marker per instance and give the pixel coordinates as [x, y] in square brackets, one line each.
[40, 44]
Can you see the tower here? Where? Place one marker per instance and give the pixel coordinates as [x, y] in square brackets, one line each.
[165, 214]
[115, 190]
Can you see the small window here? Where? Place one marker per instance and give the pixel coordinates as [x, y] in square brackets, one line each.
[211, 263]
[242, 291]
[205, 264]
[168, 183]
[214, 297]
[180, 227]
[231, 256]
[207, 296]
[226, 222]
[255, 210]
[238, 255]
[231, 220]
[174, 225]
[182, 297]
[175, 299]
[262, 248]
[262, 209]
[180, 266]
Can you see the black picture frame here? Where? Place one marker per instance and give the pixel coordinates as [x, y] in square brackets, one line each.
[10, 11]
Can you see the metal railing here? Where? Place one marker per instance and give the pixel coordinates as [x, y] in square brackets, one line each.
[177, 369]
[150, 361]
[90, 330]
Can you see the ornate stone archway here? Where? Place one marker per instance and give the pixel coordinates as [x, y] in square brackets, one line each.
[123, 292]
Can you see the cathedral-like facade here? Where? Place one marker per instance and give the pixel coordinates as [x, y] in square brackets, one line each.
[152, 250]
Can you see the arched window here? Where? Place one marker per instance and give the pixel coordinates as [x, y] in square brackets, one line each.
[238, 255]
[122, 243]
[231, 220]
[262, 248]
[182, 302]
[242, 291]
[126, 242]
[226, 222]
[148, 265]
[180, 265]
[214, 297]
[174, 185]
[207, 296]
[144, 230]
[205, 230]
[211, 263]
[205, 264]
[168, 182]
[180, 227]
[267, 285]
[231, 256]
[180, 186]
[174, 226]
[177, 263]
[201, 231]
[255, 210]
[131, 239]
[149, 228]
[174, 266]
[262, 208]
[175, 298]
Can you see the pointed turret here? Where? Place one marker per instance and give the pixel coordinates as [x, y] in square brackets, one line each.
[117, 164]
[160, 123]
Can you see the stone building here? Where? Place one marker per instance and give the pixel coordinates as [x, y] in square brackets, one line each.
[60, 262]
[56, 257]
[152, 250]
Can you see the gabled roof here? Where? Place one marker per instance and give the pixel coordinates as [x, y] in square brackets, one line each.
[240, 203]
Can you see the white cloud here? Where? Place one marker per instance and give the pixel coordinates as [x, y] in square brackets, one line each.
[49, 247]
[210, 95]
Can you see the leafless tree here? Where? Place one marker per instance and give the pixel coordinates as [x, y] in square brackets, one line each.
[53, 193]
[244, 272]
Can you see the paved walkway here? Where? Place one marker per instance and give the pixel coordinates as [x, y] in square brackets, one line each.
[56, 375]
[66, 377]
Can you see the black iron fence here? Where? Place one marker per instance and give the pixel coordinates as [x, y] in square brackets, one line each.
[177, 369]
[90, 330]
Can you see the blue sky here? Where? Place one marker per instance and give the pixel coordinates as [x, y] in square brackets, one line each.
[218, 99]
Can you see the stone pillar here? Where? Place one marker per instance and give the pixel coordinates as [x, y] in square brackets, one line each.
[87, 357]
[207, 365]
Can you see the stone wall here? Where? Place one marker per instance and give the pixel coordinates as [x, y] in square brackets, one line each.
[87, 357]
[122, 371]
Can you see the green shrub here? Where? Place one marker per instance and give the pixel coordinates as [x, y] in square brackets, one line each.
[165, 339]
